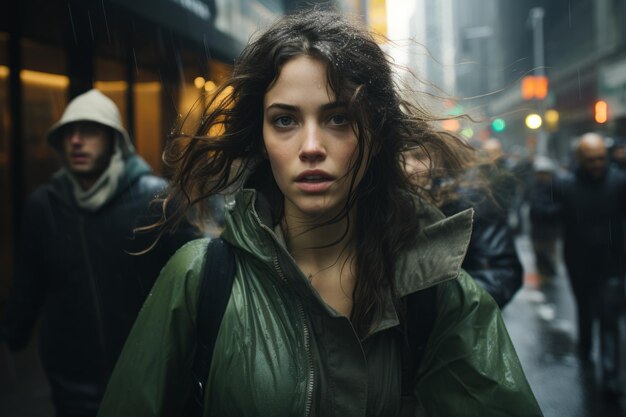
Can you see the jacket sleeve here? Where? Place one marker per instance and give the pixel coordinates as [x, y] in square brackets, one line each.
[492, 259]
[30, 283]
[162, 245]
[152, 376]
[470, 367]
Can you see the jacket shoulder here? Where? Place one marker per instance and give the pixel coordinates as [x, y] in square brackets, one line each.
[150, 184]
[564, 178]
[181, 274]
[155, 381]
[39, 201]
[144, 188]
[189, 258]
[41, 194]
[469, 339]
[464, 293]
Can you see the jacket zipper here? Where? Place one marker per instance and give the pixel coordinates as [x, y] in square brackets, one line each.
[94, 294]
[307, 347]
[305, 330]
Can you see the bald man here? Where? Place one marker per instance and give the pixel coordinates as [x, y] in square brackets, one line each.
[591, 155]
[590, 204]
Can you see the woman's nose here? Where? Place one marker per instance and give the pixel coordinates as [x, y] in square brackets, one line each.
[312, 146]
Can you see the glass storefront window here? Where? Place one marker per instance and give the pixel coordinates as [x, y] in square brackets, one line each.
[149, 134]
[196, 91]
[110, 79]
[6, 202]
[44, 97]
[146, 132]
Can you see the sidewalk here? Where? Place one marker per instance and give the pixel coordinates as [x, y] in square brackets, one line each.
[541, 320]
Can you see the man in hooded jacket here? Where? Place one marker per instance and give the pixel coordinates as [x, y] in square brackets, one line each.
[75, 263]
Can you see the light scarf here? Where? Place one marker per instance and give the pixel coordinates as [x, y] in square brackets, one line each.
[104, 188]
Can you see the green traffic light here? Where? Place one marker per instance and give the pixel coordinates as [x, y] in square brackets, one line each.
[498, 125]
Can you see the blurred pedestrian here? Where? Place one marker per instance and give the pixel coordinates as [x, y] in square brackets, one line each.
[590, 204]
[74, 269]
[523, 172]
[617, 154]
[331, 248]
[544, 233]
[491, 257]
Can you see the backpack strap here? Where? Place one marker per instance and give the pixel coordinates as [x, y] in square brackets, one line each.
[215, 289]
[421, 312]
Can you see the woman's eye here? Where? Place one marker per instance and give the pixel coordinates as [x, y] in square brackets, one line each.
[284, 121]
[338, 120]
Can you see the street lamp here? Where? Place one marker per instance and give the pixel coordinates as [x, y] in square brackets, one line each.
[535, 20]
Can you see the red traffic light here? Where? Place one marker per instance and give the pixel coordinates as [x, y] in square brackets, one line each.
[534, 86]
[601, 111]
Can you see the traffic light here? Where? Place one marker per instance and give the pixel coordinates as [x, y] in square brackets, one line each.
[533, 121]
[498, 125]
[534, 86]
[601, 111]
[552, 120]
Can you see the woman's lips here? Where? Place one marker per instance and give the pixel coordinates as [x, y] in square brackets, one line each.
[313, 186]
[314, 181]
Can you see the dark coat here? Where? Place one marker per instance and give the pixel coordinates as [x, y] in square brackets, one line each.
[491, 257]
[591, 212]
[74, 270]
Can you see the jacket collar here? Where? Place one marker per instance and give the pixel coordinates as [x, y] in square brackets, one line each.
[438, 251]
[435, 257]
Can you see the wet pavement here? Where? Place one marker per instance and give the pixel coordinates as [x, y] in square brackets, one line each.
[542, 323]
[540, 319]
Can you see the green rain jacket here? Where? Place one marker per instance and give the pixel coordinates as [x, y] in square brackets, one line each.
[281, 351]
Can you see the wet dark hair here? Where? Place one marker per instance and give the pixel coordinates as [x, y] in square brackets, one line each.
[227, 149]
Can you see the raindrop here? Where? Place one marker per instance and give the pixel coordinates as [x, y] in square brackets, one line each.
[135, 60]
[569, 13]
[69, 8]
[106, 22]
[90, 25]
[207, 51]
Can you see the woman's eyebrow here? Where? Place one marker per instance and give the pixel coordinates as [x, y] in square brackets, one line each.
[324, 107]
[333, 105]
[282, 106]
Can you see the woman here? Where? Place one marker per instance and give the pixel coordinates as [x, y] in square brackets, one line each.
[329, 241]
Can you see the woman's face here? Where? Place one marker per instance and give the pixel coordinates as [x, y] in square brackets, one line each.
[310, 143]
